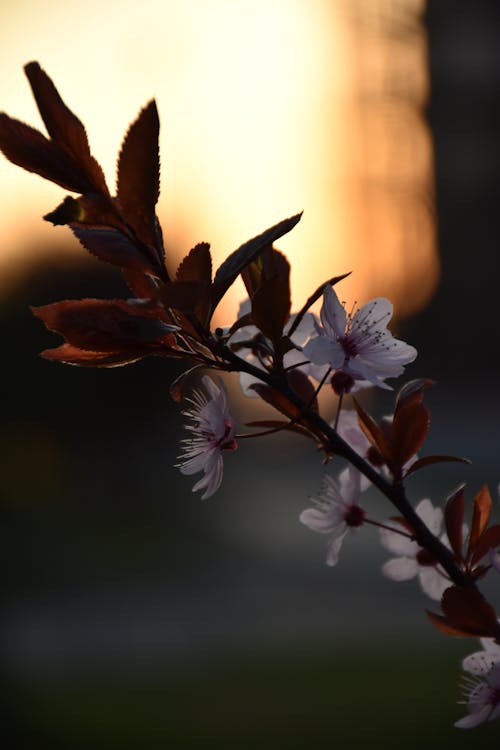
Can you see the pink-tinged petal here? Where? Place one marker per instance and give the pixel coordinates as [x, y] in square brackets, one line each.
[489, 645]
[431, 516]
[479, 663]
[376, 315]
[333, 549]
[323, 351]
[349, 485]
[212, 479]
[397, 543]
[348, 428]
[333, 315]
[400, 568]
[317, 520]
[473, 719]
[433, 583]
[307, 327]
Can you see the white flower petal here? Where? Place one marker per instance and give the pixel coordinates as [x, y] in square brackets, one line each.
[323, 351]
[317, 520]
[480, 662]
[473, 719]
[431, 516]
[333, 549]
[432, 582]
[397, 543]
[333, 315]
[400, 568]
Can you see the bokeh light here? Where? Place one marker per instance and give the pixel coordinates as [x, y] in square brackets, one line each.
[267, 109]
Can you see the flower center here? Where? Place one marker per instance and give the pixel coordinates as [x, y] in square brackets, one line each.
[349, 345]
[225, 443]
[424, 558]
[355, 516]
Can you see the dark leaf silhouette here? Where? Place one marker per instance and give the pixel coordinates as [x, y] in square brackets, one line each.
[105, 325]
[184, 295]
[271, 300]
[489, 539]
[408, 432]
[197, 265]
[64, 127]
[234, 264]
[303, 387]
[195, 271]
[71, 355]
[373, 433]
[138, 183]
[480, 517]
[28, 148]
[421, 463]
[466, 613]
[115, 247]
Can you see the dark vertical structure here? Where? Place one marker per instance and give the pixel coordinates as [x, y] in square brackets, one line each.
[458, 333]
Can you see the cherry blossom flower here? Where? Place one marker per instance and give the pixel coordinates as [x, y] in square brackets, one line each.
[212, 431]
[357, 345]
[293, 358]
[413, 561]
[482, 689]
[336, 510]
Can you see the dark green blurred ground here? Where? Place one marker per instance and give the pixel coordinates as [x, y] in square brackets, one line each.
[281, 699]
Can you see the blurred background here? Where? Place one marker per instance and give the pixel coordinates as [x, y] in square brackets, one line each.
[135, 615]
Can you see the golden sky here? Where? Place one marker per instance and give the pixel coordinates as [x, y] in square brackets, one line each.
[267, 108]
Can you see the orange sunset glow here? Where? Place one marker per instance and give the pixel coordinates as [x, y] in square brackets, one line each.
[267, 108]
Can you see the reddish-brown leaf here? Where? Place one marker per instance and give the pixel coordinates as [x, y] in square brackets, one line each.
[303, 387]
[71, 355]
[63, 126]
[105, 325]
[466, 609]
[197, 265]
[442, 624]
[412, 392]
[28, 148]
[114, 247]
[142, 285]
[253, 274]
[489, 539]
[408, 431]
[234, 264]
[184, 295]
[480, 517]
[454, 519]
[421, 463]
[373, 433]
[138, 183]
[271, 306]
